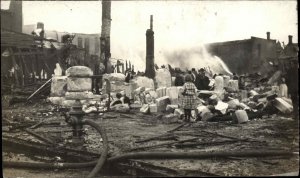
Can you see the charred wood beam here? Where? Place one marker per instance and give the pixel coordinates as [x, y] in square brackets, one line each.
[21, 146]
[180, 126]
[154, 155]
[46, 140]
[162, 144]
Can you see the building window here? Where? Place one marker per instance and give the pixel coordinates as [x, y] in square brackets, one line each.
[87, 45]
[80, 42]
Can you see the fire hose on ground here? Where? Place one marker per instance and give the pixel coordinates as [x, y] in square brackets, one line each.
[148, 155]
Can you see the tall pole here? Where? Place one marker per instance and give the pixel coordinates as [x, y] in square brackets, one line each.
[105, 33]
[150, 72]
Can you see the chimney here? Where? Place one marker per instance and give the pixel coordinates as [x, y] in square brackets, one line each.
[268, 35]
[150, 72]
[151, 22]
[290, 39]
[16, 8]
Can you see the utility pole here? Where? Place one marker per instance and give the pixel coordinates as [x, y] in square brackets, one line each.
[105, 33]
[150, 72]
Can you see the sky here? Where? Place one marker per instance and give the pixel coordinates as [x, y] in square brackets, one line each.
[177, 25]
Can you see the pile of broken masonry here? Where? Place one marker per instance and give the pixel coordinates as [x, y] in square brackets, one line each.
[226, 102]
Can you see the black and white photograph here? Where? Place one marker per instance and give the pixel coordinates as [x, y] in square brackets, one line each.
[149, 88]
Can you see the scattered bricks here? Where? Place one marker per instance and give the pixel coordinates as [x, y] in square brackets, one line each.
[204, 113]
[287, 100]
[219, 87]
[160, 92]
[56, 100]
[58, 86]
[153, 94]
[283, 90]
[153, 108]
[172, 92]
[179, 112]
[244, 106]
[171, 108]
[70, 103]
[262, 100]
[226, 80]
[253, 93]
[164, 91]
[144, 109]
[79, 95]
[213, 100]
[242, 116]
[244, 94]
[283, 106]
[271, 97]
[114, 77]
[144, 82]
[233, 86]
[79, 84]
[79, 71]
[222, 107]
[233, 104]
[162, 103]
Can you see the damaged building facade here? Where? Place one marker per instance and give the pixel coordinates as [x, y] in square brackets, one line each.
[246, 56]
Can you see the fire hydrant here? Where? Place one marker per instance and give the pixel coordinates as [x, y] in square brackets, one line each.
[75, 120]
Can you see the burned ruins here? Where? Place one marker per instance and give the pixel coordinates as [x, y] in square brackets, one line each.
[70, 108]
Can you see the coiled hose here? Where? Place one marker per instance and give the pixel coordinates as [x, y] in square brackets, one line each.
[104, 151]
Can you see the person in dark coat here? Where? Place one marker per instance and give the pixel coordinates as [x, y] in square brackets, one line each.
[179, 81]
[292, 84]
[128, 76]
[202, 81]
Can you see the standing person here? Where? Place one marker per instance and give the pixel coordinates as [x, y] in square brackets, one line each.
[292, 84]
[194, 74]
[128, 76]
[189, 97]
[202, 81]
[179, 81]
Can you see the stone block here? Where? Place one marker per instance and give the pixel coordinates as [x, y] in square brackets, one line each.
[222, 107]
[70, 103]
[171, 108]
[204, 113]
[226, 80]
[162, 103]
[145, 108]
[56, 100]
[82, 71]
[173, 92]
[143, 82]
[283, 106]
[153, 108]
[58, 86]
[114, 77]
[79, 84]
[160, 92]
[242, 116]
[233, 104]
[79, 95]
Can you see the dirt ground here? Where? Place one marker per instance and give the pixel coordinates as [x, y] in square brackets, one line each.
[123, 130]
